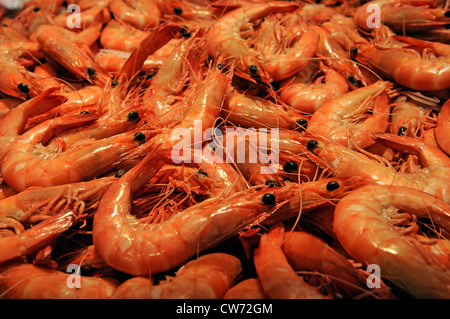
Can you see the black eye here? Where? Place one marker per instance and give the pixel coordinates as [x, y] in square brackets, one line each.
[271, 184]
[36, 9]
[303, 123]
[187, 35]
[269, 199]
[203, 173]
[85, 113]
[177, 11]
[23, 87]
[402, 130]
[120, 173]
[91, 71]
[290, 166]
[114, 83]
[333, 185]
[220, 66]
[253, 69]
[351, 79]
[133, 115]
[312, 145]
[139, 136]
[353, 52]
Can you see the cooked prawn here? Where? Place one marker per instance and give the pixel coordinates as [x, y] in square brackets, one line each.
[368, 223]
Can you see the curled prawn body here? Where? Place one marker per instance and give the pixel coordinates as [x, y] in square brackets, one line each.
[347, 119]
[416, 64]
[278, 278]
[207, 277]
[225, 39]
[140, 14]
[309, 97]
[27, 163]
[432, 178]
[25, 281]
[368, 225]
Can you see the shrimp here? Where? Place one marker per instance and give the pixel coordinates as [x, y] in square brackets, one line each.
[139, 13]
[117, 35]
[416, 64]
[71, 51]
[207, 277]
[306, 252]
[26, 281]
[432, 178]
[34, 238]
[16, 81]
[402, 17]
[346, 119]
[247, 111]
[331, 52]
[35, 204]
[278, 278]
[410, 119]
[224, 38]
[246, 289]
[443, 127]
[309, 97]
[154, 248]
[27, 163]
[384, 242]
[291, 49]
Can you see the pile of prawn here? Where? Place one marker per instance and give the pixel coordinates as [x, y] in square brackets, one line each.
[127, 149]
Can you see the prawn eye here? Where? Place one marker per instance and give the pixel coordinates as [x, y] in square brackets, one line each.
[303, 123]
[85, 113]
[269, 198]
[290, 166]
[312, 145]
[447, 14]
[271, 184]
[220, 66]
[253, 69]
[120, 173]
[177, 11]
[139, 136]
[333, 185]
[36, 9]
[114, 83]
[133, 115]
[402, 130]
[23, 87]
[203, 173]
[353, 52]
[351, 79]
[91, 71]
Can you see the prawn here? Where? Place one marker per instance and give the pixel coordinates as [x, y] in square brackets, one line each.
[25, 281]
[278, 278]
[154, 248]
[246, 289]
[34, 238]
[139, 13]
[416, 64]
[27, 163]
[432, 178]
[306, 252]
[309, 96]
[402, 16]
[384, 242]
[206, 277]
[224, 38]
[346, 119]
